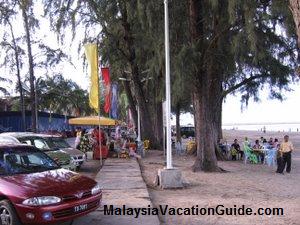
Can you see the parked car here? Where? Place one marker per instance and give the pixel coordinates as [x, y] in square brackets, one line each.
[35, 190]
[57, 142]
[187, 131]
[52, 142]
[62, 158]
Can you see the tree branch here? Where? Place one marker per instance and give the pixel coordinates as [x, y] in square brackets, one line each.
[242, 83]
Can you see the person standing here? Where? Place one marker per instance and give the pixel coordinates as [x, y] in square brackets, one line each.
[78, 136]
[235, 149]
[285, 151]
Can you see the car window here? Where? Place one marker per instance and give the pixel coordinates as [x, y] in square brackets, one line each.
[57, 142]
[40, 144]
[34, 159]
[28, 142]
[18, 161]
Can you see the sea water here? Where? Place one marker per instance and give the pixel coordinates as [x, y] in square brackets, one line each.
[283, 127]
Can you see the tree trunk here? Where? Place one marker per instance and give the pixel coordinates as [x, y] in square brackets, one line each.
[205, 94]
[22, 105]
[218, 120]
[295, 8]
[31, 65]
[131, 101]
[178, 131]
[218, 130]
[197, 117]
[159, 132]
[206, 159]
[146, 123]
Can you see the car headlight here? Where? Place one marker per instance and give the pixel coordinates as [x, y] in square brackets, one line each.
[96, 190]
[45, 200]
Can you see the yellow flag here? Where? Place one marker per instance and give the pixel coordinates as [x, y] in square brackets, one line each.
[91, 53]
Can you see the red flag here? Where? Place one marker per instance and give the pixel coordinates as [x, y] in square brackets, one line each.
[106, 79]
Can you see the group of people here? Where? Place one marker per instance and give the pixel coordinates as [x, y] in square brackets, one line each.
[89, 141]
[284, 151]
[85, 142]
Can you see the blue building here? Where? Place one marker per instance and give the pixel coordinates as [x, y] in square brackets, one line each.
[12, 121]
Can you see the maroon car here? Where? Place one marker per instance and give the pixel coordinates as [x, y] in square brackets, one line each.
[35, 190]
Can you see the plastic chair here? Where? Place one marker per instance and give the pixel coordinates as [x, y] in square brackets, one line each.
[270, 157]
[249, 155]
[146, 145]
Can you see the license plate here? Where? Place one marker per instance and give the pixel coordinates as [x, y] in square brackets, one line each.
[80, 208]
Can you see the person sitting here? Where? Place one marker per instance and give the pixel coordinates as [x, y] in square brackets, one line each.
[235, 149]
[247, 142]
[259, 154]
[132, 148]
[261, 139]
[276, 143]
[99, 137]
[257, 145]
[271, 142]
[222, 146]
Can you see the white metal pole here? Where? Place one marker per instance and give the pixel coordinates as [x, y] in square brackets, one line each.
[168, 89]
[139, 124]
[99, 108]
[36, 108]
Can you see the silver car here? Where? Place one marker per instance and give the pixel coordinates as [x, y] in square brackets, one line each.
[62, 158]
[46, 141]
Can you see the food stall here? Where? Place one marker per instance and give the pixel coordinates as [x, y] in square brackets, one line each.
[96, 121]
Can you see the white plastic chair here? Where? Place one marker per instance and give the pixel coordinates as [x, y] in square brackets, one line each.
[270, 157]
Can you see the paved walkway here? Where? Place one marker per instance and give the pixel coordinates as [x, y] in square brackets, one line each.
[122, 184]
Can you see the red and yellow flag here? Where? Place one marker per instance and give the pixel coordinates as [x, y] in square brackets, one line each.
[91, 52]
[106, 79]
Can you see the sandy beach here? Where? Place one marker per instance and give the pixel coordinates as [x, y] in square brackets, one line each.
[251, 185]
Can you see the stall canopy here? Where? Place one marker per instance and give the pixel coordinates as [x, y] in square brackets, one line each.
[93, 120]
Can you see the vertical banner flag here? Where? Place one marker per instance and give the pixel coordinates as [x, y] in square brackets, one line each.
[114, 101]
[91, 53]
[106, 79]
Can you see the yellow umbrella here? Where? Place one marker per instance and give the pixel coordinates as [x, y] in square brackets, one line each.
[93, 120]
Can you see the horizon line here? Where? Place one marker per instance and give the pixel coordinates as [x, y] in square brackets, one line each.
[259, 123]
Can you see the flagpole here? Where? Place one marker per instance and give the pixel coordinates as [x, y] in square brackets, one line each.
[168, 88]
[99, 108]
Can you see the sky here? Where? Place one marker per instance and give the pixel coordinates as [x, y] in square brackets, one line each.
[265, 111]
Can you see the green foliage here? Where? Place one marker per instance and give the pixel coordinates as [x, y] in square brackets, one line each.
[249, 43]
[59, 95]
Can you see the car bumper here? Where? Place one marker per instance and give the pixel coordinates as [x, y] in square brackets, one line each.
[78, 162]
[59, 213]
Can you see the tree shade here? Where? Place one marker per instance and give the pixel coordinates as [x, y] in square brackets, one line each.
[93, 120]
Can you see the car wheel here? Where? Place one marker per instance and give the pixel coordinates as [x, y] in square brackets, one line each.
[8, 215]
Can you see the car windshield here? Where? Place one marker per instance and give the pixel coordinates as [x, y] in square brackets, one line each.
[40, 144]
[57, 142]
[23, 161]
